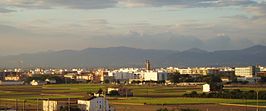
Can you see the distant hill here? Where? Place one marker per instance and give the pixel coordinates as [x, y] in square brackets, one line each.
[132, 57]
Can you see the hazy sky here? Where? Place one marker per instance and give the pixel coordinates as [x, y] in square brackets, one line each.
[28, 26]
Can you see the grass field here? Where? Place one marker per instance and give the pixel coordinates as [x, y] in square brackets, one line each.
[179, 100]
[79, 90]
[142, 94]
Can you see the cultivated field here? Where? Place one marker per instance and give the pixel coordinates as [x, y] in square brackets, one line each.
[150, 96]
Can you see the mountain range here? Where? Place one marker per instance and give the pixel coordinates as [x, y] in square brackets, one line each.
[133, 57]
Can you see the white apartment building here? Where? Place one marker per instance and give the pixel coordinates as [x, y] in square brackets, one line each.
[249, 71]
[125, 74]
[198, 70]
[155, 76]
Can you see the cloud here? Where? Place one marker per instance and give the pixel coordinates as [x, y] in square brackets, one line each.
[169, 40]
[47, 4]
[84, 4]
[186, 3]
[6, 30]
[4, 10]
[258, 10]
[159, 39]
[101, 4]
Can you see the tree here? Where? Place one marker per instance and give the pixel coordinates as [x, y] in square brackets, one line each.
[114, 93]
[189, 110]
[106, 81]
[174, 78]
[215, 83]
[72, 108]
[216, 87]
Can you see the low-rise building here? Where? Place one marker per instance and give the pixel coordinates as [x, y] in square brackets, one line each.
[50, 81]
[36, 83]
[94, 104]
[198, 70]
[84, 77]
[11, 82]
[12, 78]
[58, 104]
[206, 88]
[70, 75]
[112, 89]
[51, 105]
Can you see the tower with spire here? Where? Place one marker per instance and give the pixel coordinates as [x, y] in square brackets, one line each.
[147, 65]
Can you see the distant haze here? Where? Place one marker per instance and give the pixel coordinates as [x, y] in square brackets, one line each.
[30, 26]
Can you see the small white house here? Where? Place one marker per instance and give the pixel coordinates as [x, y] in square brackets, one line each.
[112, 89]
[35, 83]
[50, 81]
[206, 88]
[94, 104]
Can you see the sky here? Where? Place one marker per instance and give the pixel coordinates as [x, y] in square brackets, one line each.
[29, 26]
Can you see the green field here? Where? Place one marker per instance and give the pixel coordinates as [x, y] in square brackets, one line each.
[179, 100]
[80, 90]
[142, 94]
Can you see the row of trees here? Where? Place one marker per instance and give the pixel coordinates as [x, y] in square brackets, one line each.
[165, 109]
[232, 94]
[177, 78]
[59, 79]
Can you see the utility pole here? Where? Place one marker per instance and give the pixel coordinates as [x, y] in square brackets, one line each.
[16, 105]
[126, 93]
[37, 104]
[24, 105]
[257, 91]
[48, 101]
[68, 104]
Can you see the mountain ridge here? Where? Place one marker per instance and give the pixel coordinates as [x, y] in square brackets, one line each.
[134, 57]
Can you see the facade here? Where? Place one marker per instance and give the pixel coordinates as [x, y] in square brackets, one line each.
[155, 76]
[206, 88]
[249, 71]
[58, 104]
[12, 78]
[84, 77]
[124, 76]
[94, 104]
[198, 70]
[100, 75]
[51, 105]
[70, 75]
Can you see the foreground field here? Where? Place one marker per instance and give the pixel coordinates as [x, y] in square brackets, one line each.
[143, 95]
[179, 100]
